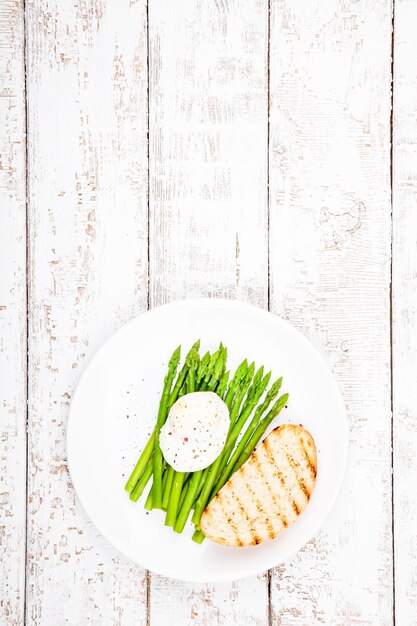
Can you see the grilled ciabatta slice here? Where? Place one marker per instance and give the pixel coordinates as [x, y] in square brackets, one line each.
[267, 493]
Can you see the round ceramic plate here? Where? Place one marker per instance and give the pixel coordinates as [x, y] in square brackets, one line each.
[113, 412]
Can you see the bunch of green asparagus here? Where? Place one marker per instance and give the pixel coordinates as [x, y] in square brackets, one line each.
[179, 493]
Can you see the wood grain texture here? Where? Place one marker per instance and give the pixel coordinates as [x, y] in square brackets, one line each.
[330, 276]
[87, 91]
[208, 206]
[12, 314]
[404, 286]
[89, 240]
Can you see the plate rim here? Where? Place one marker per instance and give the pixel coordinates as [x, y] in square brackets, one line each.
[240, 304]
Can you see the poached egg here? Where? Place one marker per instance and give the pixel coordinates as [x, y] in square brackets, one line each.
[195, 431]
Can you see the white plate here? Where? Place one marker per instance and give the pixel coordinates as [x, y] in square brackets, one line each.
[114, 409]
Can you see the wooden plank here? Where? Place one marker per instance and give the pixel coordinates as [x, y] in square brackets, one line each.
[87, 86]
[330, 276]
[404, 310]
[12, 314]
[208, 227]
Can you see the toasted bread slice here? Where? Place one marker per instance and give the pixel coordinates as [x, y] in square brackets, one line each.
[267, 493]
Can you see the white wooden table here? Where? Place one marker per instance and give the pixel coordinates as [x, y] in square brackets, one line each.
[239, 148]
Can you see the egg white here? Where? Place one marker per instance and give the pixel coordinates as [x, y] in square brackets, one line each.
[195, 431]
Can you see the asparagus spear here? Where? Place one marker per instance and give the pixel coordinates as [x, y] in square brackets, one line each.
[192, 360]
[141, 484]
[183, 373]
[184, 490]
[191, 379]
[240, 393]
[259, 431]
[198, 536]
[148, 503]
[234, 383]
[227, 472]
[162, 414]
[254, 394]
[215, 357]
[141, 464]
[201, 371]
[168, 486]
[222, 386]
[183, 391]
[174, 498]
[247, 388]
[218, 371]
[189, 500]
[167, 480]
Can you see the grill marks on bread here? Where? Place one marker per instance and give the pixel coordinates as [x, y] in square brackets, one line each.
[267, 493]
